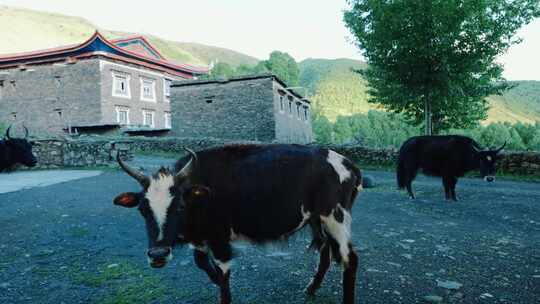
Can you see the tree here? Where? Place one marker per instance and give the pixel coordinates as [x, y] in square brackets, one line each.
[435, 60]
[283, 66]
[244, 69]
[221, 70]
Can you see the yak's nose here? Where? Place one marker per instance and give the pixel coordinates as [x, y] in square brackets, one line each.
[489, 179]
[158, 252]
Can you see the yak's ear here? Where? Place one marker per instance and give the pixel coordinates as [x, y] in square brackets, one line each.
[196, 194]
[127, 199]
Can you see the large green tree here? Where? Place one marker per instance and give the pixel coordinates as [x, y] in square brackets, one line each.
[435, 60]
[284, 66]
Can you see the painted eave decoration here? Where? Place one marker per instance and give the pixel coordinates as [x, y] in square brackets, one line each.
[135, 50]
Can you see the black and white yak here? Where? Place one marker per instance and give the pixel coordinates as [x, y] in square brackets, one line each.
[260, 193]
[448, 156]
[15, 151]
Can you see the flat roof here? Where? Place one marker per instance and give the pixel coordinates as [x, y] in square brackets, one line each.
[185, 83]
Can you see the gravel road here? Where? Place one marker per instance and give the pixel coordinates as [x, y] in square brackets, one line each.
[67, 243]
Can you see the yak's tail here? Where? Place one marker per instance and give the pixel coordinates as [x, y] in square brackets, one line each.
[401, 174]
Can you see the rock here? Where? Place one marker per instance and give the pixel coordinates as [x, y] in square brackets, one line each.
[486, 295]
[433, 299]
[112, 265]
[407, 256]
[368, 182]
[449, 284]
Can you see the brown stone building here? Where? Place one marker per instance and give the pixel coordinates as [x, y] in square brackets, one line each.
[255, 107]
[98, 86]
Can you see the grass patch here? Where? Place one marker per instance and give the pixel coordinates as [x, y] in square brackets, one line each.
[145, 290]
[124, 283]
[105, 274]
[79, 232]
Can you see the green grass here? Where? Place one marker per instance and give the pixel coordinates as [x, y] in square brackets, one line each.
[123, 282]
[79, 232]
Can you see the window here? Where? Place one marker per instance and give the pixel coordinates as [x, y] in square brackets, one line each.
[148, 118]
[306, 114]
[57, 81]
[122, 115]
[290, 107]
[281, 104]
[1, 88]
[148, 89]
[298, 110]
[167, 120]
[167, 90]
[121, 85]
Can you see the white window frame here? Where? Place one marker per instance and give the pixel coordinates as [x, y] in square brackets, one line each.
[118, 110]
[152, 124]
[115, 75]
[152, 87]
[167, 122]
[167, 84]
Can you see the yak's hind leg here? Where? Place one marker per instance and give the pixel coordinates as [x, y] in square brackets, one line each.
[338, 225]
[447, 188]
[320, 242]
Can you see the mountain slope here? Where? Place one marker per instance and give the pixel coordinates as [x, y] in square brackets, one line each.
[25, 30]
[336, 90]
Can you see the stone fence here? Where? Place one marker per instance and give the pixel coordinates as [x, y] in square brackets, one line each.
[518, 163]
[56, 153]
[98, 152]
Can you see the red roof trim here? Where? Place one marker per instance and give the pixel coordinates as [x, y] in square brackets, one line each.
[111, 56]
[59, 50]
[146, 42]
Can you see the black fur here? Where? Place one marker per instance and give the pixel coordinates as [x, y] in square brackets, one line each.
[258, 192]
[15, 151]
[449, 157]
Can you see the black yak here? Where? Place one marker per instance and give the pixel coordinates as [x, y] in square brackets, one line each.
[16, 151]
[448, 156]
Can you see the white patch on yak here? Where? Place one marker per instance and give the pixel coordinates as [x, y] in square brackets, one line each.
[336, 160]
[238, 237]
[160, 198]
[305, 217]
[224, 266]
[341, 232]
[489, 158]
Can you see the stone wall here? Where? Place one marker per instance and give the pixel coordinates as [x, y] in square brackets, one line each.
[518, 163]
[55, 153]
[97, 152]
[243, 108]
[48, 98]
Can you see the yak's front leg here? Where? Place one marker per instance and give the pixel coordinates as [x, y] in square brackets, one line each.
[222, 253]
[202, 260]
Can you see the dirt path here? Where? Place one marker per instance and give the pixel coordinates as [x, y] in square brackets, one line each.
[67, 243]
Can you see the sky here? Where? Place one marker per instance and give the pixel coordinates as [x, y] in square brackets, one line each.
[302, 28]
